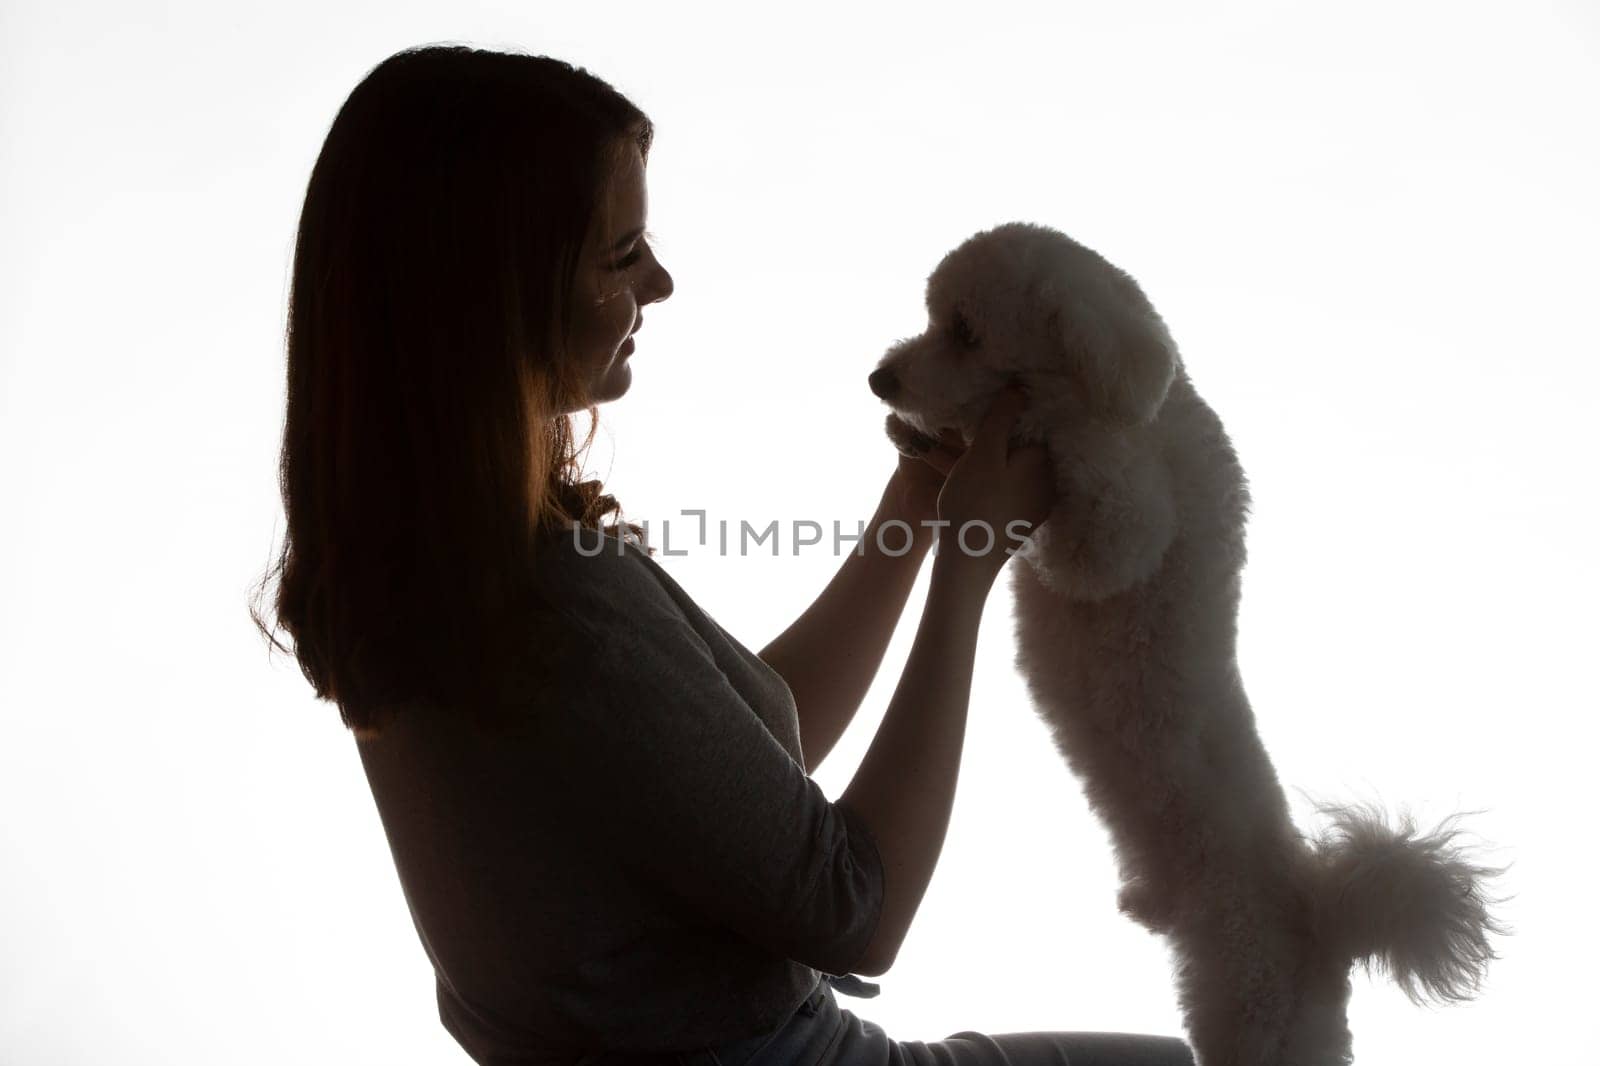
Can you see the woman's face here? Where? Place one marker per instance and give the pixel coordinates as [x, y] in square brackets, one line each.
[617, 275]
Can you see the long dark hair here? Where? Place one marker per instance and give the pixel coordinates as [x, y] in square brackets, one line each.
[425, 445]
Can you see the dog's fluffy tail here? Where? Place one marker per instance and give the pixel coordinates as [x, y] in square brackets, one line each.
[1404, 903]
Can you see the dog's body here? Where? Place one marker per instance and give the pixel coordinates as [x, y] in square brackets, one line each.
[1126, 607]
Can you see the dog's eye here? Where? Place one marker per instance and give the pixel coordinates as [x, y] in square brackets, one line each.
[961, 329]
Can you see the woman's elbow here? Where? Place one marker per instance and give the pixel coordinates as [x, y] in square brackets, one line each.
[876, 961]
[869, 967]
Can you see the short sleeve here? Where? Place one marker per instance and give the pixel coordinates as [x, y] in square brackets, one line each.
[679, 780]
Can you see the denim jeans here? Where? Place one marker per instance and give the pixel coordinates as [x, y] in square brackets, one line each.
[821, 1033]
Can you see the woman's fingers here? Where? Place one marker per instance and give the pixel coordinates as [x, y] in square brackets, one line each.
[996, 486]
[994, 432]
[1036, 483]
[941, 454]
[946, 452]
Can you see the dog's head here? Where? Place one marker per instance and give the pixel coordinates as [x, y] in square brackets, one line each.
[1026, 303]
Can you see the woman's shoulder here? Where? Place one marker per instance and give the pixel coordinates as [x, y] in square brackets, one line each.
[586, 553]
[589, 597]
[593, 570]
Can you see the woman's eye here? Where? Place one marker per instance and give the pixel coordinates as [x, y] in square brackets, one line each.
[962, 331]
[635, 255]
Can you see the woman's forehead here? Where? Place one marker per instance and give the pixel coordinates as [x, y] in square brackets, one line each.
[627, 194]
[623, 205]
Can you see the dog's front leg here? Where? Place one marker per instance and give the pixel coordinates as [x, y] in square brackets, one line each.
[1107, 533]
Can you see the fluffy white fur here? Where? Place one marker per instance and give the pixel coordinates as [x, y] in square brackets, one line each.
[1126, 604]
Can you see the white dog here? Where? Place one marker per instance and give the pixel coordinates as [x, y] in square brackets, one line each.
[1125, 622]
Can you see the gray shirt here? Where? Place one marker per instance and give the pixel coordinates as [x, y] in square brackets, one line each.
[640, 862]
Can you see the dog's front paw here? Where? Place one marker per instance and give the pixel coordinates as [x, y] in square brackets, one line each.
[906, 438]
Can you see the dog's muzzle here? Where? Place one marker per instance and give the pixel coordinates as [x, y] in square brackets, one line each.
[883, 383]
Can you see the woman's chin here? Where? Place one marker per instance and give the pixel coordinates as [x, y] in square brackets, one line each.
[616, 383]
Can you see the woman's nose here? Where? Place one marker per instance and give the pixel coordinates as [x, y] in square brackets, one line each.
[663, 284]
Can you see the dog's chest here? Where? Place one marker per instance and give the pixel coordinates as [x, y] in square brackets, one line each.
[1091, 655]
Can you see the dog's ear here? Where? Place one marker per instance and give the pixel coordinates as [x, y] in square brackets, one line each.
[1117, 348]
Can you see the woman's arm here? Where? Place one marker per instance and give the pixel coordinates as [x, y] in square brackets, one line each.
[905, 787]
[831, 653]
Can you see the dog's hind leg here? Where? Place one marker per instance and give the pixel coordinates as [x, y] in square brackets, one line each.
[1240, 965]
[1319, 1031]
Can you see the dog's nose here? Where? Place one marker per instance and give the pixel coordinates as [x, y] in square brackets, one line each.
[882, 382]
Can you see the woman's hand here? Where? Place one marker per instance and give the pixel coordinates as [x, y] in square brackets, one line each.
[989, 488]
[918, 479]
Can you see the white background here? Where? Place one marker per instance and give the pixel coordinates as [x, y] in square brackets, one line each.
[1372, 229]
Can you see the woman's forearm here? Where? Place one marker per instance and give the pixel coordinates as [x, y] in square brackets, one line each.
[832, 652]
[905, 787]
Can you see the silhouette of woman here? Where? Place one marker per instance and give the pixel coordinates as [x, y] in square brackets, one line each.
[597, 800]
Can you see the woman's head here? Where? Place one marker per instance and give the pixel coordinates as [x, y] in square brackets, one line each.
[617, 275]
[453, 300]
